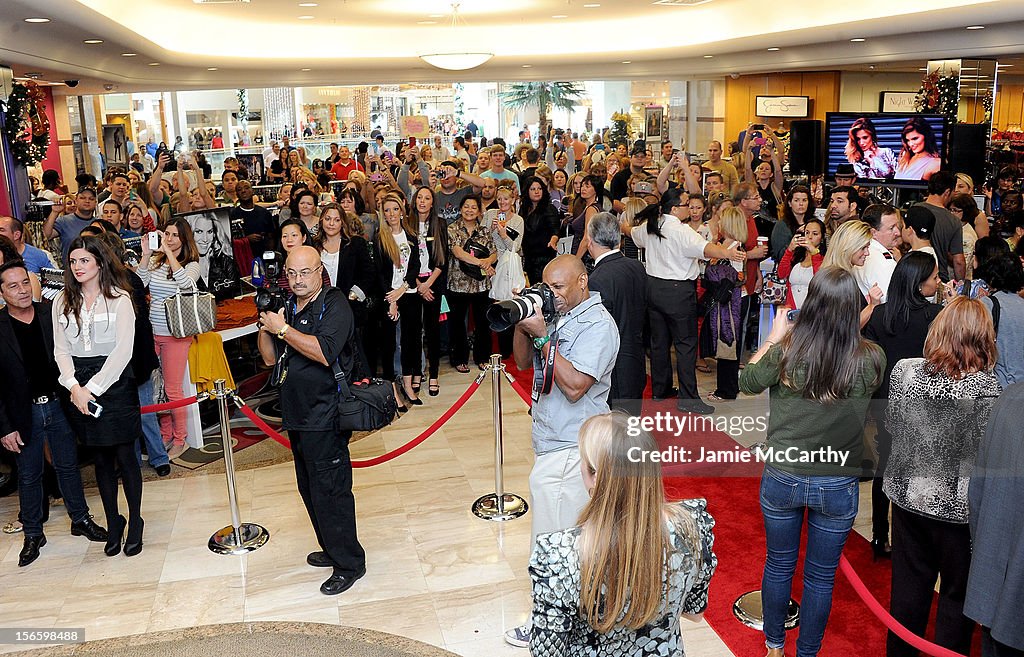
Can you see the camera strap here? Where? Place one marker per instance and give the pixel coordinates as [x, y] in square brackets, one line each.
[545, 378]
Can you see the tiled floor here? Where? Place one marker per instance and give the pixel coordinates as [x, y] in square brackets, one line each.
[435, 572]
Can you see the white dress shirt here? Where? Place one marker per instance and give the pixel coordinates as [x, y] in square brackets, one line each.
[677, 256]
[877, 269]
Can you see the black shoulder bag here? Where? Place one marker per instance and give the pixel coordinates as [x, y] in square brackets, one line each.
[366, 405]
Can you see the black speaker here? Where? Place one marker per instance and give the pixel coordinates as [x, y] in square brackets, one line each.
[967, 145]
[806, 151]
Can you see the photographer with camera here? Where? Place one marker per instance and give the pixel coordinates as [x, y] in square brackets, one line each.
[566, 335]
[314, 330]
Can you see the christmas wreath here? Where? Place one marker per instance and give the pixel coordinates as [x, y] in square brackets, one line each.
[939, 94]
[28, 129]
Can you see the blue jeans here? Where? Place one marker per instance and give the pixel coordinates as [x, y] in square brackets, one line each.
[49, 426]
[831, 506]
[150, 430]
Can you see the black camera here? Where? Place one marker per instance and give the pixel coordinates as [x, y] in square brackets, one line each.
[504, 314]
[270, 297]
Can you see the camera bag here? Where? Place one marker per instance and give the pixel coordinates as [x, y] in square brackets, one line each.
[365, 405]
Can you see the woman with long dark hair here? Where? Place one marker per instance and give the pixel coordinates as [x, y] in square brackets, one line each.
[899, 326]
[591, 192]
[802, 260]
[635, 565]
[351, 200]
[93, 335]
[431, 279]
[821, 374]
[939, 406]
[796, 211]
[172, 269]
[919, 158]
[540, 238]
[469, 279]
[869, 160]
[304, 209]
[290, 234]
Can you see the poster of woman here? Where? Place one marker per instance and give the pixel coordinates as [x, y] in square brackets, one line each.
[218, 272]
[653, 116]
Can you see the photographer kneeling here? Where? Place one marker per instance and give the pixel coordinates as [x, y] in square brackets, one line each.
[571, 342]
[312, 331]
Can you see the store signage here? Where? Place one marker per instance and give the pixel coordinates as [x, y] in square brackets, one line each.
[416, 126]
[784, 107]
[897, 101]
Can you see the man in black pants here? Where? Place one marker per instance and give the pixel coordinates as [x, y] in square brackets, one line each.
[315, 330]
[31, 415]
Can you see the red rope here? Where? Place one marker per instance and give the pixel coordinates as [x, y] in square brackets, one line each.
[154, 408]
[520, 390]
[881, 614]
[383, 458]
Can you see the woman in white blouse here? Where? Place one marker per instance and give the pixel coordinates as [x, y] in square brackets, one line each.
[172, 269]
[93, 337]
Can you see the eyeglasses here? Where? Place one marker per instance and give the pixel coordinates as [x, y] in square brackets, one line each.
[304, 274]
[751, 198]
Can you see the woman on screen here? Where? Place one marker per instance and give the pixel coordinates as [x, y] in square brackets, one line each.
[920, 157]
[869, 160]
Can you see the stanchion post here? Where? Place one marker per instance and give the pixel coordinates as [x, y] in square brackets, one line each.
[747, 610]
[238, 537]
[498, 506]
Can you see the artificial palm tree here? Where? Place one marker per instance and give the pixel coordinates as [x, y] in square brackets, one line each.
[542, 95]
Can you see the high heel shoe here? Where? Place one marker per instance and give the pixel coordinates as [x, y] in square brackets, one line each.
[417, 381]
[133, 542]
[434, 388]
[114, 534]
[409, 398]
[401, 408]
[880, 549]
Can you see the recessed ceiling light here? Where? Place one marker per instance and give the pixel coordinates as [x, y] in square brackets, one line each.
[305, 70]
[37, 20]
[308, 4]
[154, 63]
[93, 42]
[426, 22]
[772, 49]
[527, 65]
[212, 68]
[306, 18]
[708, 56]
[559, 16]
[858, 40]
[592, 5]
[128, 54]
[975, 27]
[627, 62]
[435, 16]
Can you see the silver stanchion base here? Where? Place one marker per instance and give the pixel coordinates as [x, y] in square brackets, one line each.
[487, 507]
[747, 610]
[251, 537]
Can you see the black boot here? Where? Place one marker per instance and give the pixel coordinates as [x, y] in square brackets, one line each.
[30, 552]
[133, 541]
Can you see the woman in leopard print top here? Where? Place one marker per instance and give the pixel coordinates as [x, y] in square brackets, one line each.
[639, 585]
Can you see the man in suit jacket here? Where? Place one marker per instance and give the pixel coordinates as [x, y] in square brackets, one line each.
[622, 283]
[995, 586]
[31, 413]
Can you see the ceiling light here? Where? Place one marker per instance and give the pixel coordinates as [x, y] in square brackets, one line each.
[923, 69]
[128, 54]
[457, 61]
[559, 16]
[93, 42]
[592, 5]
[435, 16]
[306, 18]
[1004, 65]
[308, 4]
[527, 65]
[305, 70]
[426, 22]
[212, 68]
[708, 56]
[154, 63]
[858, 40]
[975, 27]
[772, 49]
[627, 62]
[37, 20]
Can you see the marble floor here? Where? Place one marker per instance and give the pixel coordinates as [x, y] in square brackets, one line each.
[435, 572]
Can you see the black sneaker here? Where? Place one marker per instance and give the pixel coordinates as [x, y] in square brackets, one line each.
[695, 406]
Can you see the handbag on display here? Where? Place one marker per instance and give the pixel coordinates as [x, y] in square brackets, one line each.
[366, 405]
[477, 250]
[190, 313]
[773, 289]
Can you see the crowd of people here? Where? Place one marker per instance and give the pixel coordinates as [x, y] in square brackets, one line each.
[644, 257]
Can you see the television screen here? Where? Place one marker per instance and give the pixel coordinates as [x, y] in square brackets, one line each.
[901, 148]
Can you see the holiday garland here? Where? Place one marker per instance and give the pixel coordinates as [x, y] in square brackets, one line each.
[28, 128]
[939, 94]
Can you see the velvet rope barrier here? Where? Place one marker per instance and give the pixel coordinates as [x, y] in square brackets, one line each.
[891, 623]
[383, 458]
[520, 390]
[155, 408]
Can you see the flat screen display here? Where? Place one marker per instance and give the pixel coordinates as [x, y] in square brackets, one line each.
[900, 148]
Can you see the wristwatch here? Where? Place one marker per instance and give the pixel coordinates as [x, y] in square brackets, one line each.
[539, 343]
[284, 329]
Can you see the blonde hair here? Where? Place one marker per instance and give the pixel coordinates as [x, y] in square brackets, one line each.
[624, 537]
[633, 206]
[387, 240]
[967, 180]
[848, 239]
[733, 224]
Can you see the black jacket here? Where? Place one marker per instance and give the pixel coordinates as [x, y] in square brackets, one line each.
[622, 283]
[385, 268]
[15, 404]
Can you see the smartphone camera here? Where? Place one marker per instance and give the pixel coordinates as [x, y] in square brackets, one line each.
[792, 315]
[154, 240]
[94, 409]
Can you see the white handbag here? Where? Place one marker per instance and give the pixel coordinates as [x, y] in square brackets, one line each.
[508, 276]
[190, 313]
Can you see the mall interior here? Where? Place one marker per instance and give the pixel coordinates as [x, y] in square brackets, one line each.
[231, 77]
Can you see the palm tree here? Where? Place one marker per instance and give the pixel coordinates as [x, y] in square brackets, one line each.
[542, 95]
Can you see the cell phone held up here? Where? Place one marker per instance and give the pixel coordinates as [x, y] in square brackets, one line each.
[154, 240]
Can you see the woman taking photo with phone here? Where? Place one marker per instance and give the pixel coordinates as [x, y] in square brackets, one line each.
[798, 210]
[93, 335]
[821, 374]
[801, 261]
[173, 268]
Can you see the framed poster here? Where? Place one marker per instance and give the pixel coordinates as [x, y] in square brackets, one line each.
[653, 122]
[114, 149]
[891, 102]
[253, 163]
[782, 107]
[212, 232]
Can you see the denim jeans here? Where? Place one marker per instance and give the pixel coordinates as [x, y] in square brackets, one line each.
[49, 426]
[831, 506]
[150, 430]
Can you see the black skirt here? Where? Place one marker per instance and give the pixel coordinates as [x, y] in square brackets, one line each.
[120, 421]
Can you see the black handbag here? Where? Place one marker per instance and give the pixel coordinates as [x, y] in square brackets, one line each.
[477, 250]
[366, 405]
